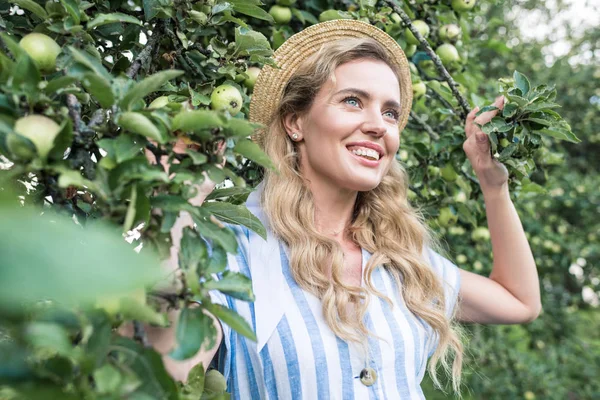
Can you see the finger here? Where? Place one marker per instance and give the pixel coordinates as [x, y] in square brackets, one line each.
[487, 116]
[483, 143]
[469, 124]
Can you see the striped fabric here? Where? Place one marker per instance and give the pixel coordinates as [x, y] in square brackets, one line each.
[297, 356]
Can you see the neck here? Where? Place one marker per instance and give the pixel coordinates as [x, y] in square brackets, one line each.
[333, 209]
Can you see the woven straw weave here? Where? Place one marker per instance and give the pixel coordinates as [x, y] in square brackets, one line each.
[271, 81]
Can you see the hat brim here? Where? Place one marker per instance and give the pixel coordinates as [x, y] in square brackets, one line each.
[271, 82]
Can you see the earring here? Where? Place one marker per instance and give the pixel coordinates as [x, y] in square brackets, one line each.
[295, 136]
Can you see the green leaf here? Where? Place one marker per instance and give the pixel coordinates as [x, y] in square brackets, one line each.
[486, 109]
[70, 263]
[233, 319]
[73, 9]
[140, 124]
[218, 261]
[236, 214]
[509, 110]
[249, 42]
[197, 158]
[103, 19]
[250, 8]
[197, 121]
[100, 88]
[562, 134]
[48, 336]
[521, 82]
[195, 381]
[234, 284]
[107, 379]
[193, 250]
[241, 127]
[194, 328]
[62, 141]
[134, 310]
[149, 368]
[90, 62]
[151, 9]
[149, 85]
[252, 151]
[227, 192]
[221, 235]
[59, 83]
[32, 6]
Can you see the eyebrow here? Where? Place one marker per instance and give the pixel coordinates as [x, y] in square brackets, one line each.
[367, 95]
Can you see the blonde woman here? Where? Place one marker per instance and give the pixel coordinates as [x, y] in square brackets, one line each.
[352, 300]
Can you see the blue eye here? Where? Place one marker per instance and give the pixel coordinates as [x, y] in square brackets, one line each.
[351, 98]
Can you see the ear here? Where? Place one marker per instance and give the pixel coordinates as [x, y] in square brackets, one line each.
[293, 124]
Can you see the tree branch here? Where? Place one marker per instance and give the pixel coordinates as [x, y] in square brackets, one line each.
[139, 334]
[186, 62]
[146, 53]
[436, 60]
[423, 124]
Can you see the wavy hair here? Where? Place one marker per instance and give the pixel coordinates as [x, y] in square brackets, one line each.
[383, 223]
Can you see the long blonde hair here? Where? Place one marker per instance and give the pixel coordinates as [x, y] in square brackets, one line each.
[383, 223]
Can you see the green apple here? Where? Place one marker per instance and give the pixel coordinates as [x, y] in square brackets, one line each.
[419, 89]
[410, 50]
[39, 129]
[252, 73]
[226, 98]
[423, 29]
[281, 15]
[463, 5]
[480, 234]
[448, 173]
[214, 382]
[449, 32]
[42, 49]
[447, 53]
[446, 217]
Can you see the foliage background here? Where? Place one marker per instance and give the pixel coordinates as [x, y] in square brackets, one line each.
[105, 177]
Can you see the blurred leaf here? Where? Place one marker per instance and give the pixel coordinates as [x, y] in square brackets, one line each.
[147, 365]
[100, 88]
[70, 263]
[32, 6]
[73, 9]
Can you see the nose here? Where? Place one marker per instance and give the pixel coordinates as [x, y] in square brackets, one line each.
[374, 124]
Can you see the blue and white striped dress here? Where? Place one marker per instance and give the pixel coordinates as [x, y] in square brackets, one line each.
[297, 356]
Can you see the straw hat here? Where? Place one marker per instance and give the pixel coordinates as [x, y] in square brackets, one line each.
[271, 82]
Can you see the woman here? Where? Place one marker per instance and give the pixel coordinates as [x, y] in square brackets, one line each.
[351, 300]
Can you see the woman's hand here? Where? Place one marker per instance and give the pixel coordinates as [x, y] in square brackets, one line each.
[492, 174]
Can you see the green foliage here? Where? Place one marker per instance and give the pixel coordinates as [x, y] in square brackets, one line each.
[69, 280]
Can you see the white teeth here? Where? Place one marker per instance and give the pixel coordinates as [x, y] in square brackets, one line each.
[366, 152]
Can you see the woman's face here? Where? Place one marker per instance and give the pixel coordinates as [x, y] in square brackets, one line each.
[350, 134]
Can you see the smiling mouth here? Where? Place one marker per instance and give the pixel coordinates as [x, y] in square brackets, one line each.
[368, 154]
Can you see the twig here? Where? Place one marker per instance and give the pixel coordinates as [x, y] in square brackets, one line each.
[442, 100]
[97, 118]
[434, 57]
[186, 62]
[146, 53]
[75, 113]
[424, 125]
[139, 334]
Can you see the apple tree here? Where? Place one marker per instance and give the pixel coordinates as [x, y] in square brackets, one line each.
[97, 98]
